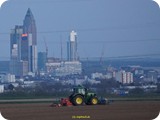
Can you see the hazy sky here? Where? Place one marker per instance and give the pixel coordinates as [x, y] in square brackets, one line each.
[109, 27]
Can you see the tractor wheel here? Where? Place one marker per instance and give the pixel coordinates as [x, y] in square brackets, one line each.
[94, 101]
[77, 100]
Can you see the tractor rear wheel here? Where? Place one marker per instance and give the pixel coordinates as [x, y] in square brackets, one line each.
[78, 100]
[94, 101]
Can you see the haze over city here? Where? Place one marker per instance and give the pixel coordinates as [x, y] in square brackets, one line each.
[109, 27]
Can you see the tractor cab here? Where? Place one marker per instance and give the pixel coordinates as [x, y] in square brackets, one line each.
[79, 90]
[81, 95]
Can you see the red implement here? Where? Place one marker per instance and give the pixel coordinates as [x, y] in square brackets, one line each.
[65, 102]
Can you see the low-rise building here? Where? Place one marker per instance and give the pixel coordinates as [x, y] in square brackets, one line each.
[96, 75]
[1, 88]
[7, 78]
[68, 68]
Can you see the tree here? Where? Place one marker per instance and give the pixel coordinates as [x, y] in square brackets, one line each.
[109, 83]
[10, 87]
[137, 91]
[158, 87]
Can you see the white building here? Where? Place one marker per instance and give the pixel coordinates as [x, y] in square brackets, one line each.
[94, 81]
[129, 77]
[101, 76]
[96, 75]
[52, 66]
[64, 68]
[124, 77]
[7, 78]
[69, 68]
[1, 88]
[10, 78]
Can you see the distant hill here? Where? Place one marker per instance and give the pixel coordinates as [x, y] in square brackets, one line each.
[90, 66]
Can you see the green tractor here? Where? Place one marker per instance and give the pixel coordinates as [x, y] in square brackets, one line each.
[81, 95]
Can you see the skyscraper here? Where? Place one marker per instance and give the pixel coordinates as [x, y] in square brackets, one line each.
[29, 26]
[15, 50]
[30, 43]
[23, 46]
[15, 42]
[72, 54]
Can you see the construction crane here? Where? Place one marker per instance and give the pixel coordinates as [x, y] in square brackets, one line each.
[61, 48]
[46, 47]
[102, 55]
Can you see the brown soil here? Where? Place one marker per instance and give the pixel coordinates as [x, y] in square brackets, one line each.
[139, 110]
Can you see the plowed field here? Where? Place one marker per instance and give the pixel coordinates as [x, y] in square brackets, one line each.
[131, 110]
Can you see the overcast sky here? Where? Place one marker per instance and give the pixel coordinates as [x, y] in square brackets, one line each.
[108, 28]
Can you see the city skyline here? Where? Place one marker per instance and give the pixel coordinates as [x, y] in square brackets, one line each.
[105, 28]
[23, 47]
[79, 53]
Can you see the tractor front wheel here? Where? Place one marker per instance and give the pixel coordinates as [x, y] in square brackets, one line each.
[77, 100]
[94, 101]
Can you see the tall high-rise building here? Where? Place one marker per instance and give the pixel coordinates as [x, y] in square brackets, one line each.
[15, 50]
[29, 26]
[15, 42]
[30, 44]
[23, 46]
[72, 54]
